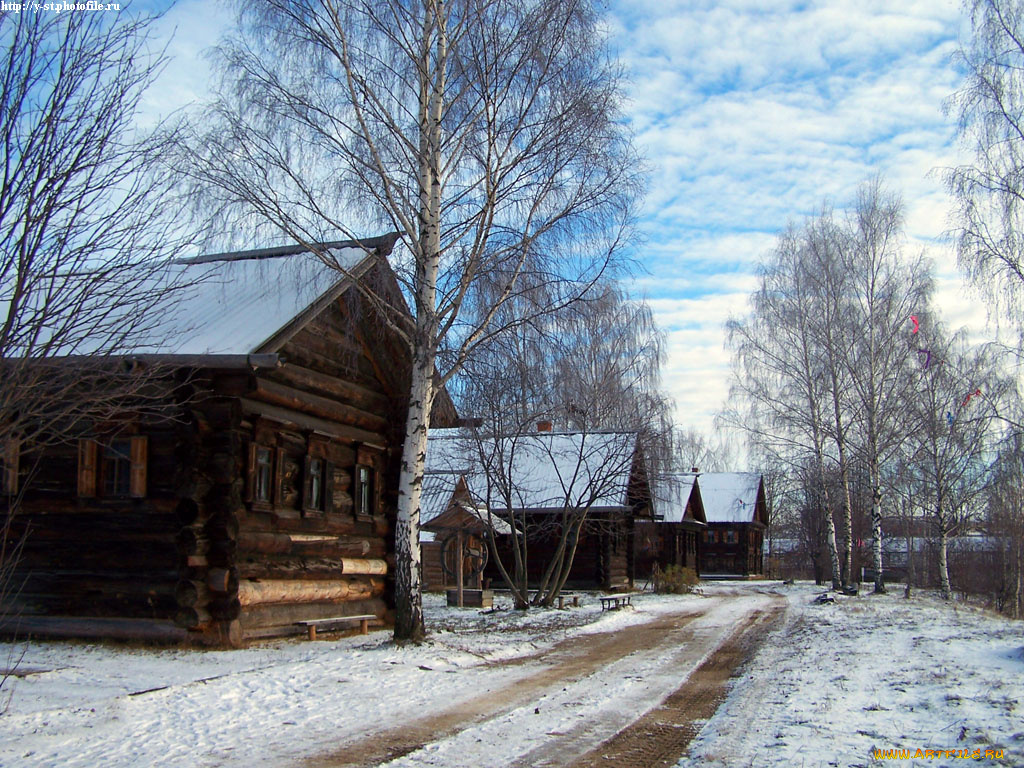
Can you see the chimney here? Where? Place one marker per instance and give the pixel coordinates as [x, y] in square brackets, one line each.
[543, 426]
[695, 470]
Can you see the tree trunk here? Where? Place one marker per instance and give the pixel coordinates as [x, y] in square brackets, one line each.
[947, 593]
[830, 525]
[408, 588]
[876, 534]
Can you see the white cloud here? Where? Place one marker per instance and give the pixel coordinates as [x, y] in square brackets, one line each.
[754, 118]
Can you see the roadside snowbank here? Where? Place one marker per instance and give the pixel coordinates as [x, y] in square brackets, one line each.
[874, 672]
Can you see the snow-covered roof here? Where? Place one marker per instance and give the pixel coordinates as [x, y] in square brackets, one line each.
[240, 304]
[437, 495]
[729, 497]
[546, 470]
[672, 494]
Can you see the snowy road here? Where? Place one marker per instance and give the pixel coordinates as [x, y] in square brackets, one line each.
[534, 688]
[589, 688]
[831, 685]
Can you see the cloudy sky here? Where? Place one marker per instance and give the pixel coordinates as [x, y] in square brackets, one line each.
[749, 119]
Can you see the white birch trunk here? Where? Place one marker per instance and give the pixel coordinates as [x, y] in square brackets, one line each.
[947, 593]
[408, 588]
[876, 532]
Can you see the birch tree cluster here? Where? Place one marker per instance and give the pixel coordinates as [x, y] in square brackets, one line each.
[844, 375]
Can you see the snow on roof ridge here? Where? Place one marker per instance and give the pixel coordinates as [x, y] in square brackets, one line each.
[382, 244]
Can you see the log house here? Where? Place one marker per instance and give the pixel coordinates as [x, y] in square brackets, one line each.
[263, 493]
[737, 516]
[673, 535]
[553, 477]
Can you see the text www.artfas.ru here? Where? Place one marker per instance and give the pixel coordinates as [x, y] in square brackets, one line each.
[908, 754]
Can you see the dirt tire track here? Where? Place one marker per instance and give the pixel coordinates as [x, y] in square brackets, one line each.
[660, 737]
[570, 660]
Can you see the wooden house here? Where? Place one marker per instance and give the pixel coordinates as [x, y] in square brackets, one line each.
[674, 533]
[260, 494]
[537, 482]
[737, 518]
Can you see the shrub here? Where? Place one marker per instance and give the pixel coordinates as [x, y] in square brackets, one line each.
[674, 580]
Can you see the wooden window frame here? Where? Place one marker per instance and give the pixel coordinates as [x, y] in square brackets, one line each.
[256, 478]
[92, 467]
[310, 503]
[371, 496]
[114, 472]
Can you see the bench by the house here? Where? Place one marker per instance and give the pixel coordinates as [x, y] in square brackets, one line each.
[338, 621]
[615, 602]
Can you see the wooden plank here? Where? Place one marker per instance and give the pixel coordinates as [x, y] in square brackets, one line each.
[73, 626]
[315, 405]
[332, 386]
[305, 421]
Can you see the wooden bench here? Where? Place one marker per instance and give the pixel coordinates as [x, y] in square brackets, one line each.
[615, 602]
[326, 624]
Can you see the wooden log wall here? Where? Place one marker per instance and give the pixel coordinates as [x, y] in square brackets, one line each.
[98, 559]
[253, 567]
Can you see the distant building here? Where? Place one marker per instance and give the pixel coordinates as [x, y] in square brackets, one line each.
[672, 536]
[547, 479]
[737, 518]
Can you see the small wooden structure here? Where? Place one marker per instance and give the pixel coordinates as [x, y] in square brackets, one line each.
[737, 516]
[261, 498]
[457, 541]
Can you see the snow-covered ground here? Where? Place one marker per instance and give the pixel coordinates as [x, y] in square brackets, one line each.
[875, 672]
[831, 684]
[89, 704]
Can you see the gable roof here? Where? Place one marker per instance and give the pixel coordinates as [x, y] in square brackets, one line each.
[247, 302]
[732, 497]
[546, 470]
[674, 493]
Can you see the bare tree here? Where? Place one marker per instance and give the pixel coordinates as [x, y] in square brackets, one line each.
[824, 360]
[1005, 525]
[87, 228]
[780, 384]
[989, 191]
[955, 403]
[593, 370]
[886, 290]
[485, 132]
[694, 449]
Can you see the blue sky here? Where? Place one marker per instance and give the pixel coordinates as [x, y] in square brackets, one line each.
[749, 119]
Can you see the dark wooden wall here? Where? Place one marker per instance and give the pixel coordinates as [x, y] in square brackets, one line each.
[97, 557]
[603, 560]
[743, 557]
[198, 550]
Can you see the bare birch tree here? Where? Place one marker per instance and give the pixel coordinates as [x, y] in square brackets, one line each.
[989, 192]
[485, 132]
[885, 290]
[1005, 524]
[955, 400]
[780, 384]
[591, 369]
